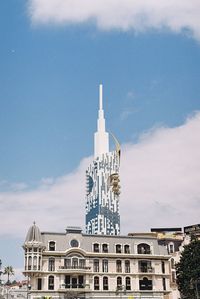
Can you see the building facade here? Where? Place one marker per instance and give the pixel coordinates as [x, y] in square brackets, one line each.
[172, 238]
[77, 265]
[102, 182]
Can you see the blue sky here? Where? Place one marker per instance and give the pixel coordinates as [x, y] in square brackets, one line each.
[50, 71]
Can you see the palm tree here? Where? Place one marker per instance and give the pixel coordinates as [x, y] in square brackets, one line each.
[8, 271]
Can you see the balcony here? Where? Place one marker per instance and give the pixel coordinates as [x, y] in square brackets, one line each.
[74, 268]
[29, 269]
[74, 289]
[146, 270]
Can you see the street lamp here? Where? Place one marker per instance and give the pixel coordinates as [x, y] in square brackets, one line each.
[28, 289]
[121, 289]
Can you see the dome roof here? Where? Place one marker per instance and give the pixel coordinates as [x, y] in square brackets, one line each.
[33, 235]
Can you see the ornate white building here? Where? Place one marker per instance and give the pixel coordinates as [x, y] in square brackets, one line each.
[102, 182]
[77, 265]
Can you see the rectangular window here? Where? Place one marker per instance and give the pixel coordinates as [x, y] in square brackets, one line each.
[127, 266]
[105, 265]
[171, 248]
[96, 265]
[80, 281]
[164, 284]
[67, 281]
[51, 264]
[67, 263]
[39, 284]
[118, 266]
[145, 267]
[163, 267]
[82, 264]
[74, 282]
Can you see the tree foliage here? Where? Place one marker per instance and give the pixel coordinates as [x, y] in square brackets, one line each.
[188, 270]
[8, 271]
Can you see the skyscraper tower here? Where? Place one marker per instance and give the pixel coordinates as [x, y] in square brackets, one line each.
[102, 182]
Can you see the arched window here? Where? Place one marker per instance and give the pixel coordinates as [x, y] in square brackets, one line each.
[96, 283]
[126, 249]
[51, 283]
[118, 248]
[105, 283]
[128, 283]
[52, 246]
[96, 247]
[51, 264]
[145, 284]
[143, 248]
[29, 263]
[35, 263]
[105, 248]
[119, 282]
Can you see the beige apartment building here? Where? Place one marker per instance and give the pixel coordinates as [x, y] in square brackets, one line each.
[76, 265]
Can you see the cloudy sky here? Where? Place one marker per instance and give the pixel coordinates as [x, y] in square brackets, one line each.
[53, 55]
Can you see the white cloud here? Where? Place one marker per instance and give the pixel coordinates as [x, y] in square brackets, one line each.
[137, 15]
[160, 178]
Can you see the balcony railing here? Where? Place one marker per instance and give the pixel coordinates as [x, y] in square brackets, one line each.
[76, 267]
[119, 269]
[32, 268]
[75, 287]
[146, 270]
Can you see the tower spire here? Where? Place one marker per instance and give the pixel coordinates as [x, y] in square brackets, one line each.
[100, 97]
[101, 142]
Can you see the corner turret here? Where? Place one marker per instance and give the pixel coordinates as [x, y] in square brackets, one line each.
[33, 247]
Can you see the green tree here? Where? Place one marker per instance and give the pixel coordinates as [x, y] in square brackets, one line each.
[188, 270]
[8, 271]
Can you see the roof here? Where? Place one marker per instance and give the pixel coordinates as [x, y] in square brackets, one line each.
[33, 235]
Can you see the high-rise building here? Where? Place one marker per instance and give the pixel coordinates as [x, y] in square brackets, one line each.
[102, 182]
